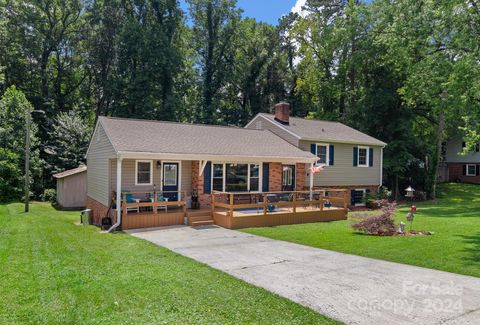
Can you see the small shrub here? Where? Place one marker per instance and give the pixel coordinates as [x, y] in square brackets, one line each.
[371, 199]
[377, 224]
[50, 195]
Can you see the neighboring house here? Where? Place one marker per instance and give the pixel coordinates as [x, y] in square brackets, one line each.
[458, 167]
[351, 159]
[72, 188]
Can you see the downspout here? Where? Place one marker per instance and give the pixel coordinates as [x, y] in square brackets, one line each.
[119, 194]
[381, 168]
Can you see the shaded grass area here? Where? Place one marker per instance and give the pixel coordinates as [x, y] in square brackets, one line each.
[455, 246]
[53, 271]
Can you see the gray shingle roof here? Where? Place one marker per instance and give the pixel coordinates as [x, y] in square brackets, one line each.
[325, 131]
[131, 135]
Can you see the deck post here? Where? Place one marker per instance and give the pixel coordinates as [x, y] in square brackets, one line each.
[213, 202]
[294, 199]
[231, 204]
[265, 204]
[184, 202]
[311, 181]
[321, 200]
[345, 200]
[155, 202]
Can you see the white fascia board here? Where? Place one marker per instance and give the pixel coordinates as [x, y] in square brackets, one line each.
[345, 142]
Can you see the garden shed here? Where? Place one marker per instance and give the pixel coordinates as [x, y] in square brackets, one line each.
[72, 188]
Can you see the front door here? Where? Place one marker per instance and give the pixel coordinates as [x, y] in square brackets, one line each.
[170, 180]
[288, 178]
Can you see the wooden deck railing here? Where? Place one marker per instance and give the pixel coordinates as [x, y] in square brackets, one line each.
[150, 200]
[232, 201]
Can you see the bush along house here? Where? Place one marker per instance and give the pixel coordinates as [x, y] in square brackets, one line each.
[145, 173]
[350, 159]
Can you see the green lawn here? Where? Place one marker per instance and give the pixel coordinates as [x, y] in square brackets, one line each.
[455, 246]
[52, 271]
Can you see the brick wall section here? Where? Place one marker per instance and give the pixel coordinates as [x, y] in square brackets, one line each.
[197, 183]
[99, 211]
[275, 177]
[300, 176]
[455, 172]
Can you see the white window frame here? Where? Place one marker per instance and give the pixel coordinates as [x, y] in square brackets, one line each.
[364, 190]
[466, 171]
[136, 172]
[367, 160]
[327, 160]
[224, 172]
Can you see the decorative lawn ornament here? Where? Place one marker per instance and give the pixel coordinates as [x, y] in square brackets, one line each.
[410, 192]
[410, 218]
[401, 228]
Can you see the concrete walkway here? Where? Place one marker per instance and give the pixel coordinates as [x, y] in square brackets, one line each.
[352, 289]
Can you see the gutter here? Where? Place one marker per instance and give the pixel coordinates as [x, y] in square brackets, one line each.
[118, 199]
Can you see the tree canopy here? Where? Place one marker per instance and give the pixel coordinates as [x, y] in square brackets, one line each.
[405, 71]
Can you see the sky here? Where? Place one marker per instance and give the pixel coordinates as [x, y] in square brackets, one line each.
[268, 11]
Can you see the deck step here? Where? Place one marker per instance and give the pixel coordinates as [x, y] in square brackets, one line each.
[200, 218]
[202, 223]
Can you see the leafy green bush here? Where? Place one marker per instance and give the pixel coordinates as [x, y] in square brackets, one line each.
[50, 195]
[11, 179]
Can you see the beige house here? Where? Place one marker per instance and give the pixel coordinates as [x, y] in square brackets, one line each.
[158, 172]
[351, 159]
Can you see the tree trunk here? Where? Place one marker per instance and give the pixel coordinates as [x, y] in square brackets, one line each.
[441, 126]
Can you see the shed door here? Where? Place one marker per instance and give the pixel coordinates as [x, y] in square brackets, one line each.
[170, 180]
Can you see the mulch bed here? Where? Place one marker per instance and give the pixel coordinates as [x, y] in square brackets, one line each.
[406, 233]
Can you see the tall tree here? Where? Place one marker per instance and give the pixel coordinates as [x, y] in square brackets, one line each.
[214, 35]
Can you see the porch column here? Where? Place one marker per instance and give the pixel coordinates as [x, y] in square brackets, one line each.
[311, 181]
[119, 189]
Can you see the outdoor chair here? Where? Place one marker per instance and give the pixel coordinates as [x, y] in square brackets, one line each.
[129, 199]
[160, 198]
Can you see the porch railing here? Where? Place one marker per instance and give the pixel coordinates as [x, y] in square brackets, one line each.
[267, 201]
[150, 200]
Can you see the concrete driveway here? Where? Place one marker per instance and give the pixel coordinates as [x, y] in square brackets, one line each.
[352, 289]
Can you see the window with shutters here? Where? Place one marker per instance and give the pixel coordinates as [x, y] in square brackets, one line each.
[471, 170]
[362, 157]
[322, 154]
[233, 177]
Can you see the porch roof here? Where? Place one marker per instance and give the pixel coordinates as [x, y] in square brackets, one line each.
[134, 138]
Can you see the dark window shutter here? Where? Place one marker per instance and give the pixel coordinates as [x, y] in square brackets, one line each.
[478, 170]
[331, 154]
[313, 148]
[207, 178]
[265, 178]
[355, 156]
[477, 147]
[464, 170]
[464, 144]
[370, 157]
[352, 197]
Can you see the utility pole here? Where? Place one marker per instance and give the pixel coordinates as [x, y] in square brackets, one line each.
[27, 161]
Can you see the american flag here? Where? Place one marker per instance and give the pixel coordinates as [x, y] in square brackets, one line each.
[317, 169]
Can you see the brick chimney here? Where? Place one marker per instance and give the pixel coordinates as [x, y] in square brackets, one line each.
[282, 112]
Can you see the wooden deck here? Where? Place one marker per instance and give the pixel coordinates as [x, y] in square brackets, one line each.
[242, 210]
